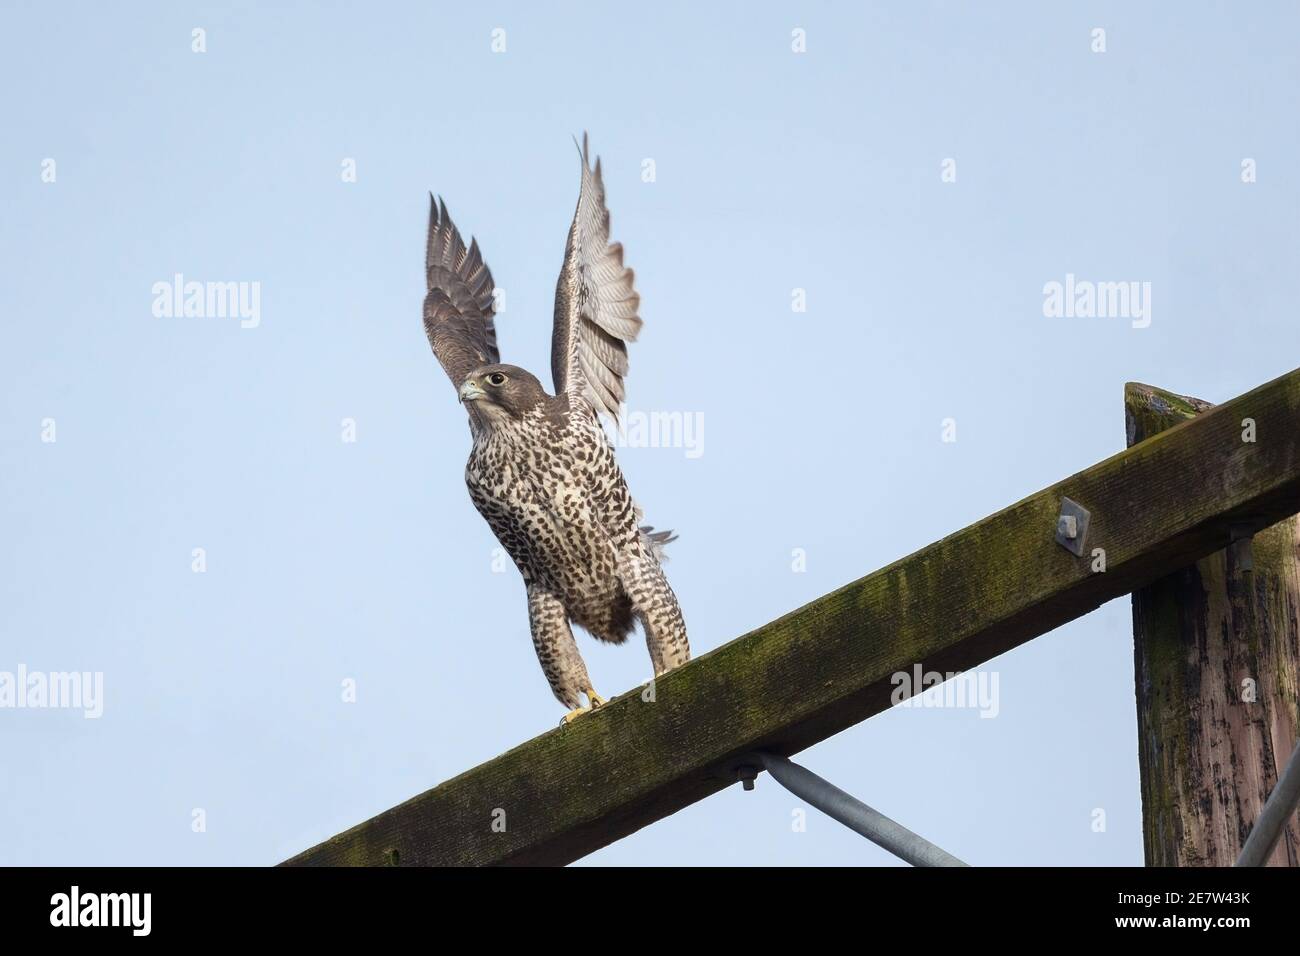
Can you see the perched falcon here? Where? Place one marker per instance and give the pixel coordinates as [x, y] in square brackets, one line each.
[541, 470]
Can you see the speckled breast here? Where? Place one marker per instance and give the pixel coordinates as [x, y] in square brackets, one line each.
[552, 494]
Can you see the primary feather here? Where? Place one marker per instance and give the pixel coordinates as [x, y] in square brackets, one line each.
[596, 304]
[459, 306]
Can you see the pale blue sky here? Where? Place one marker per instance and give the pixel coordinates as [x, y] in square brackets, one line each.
[775, 171]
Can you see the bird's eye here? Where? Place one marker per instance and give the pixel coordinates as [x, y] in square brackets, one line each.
[496, 378]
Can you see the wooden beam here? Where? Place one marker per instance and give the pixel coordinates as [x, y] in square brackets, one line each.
[1217, 660]
[959, 602]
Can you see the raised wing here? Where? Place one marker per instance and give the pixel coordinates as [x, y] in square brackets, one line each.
[458, 309]
[595, 304]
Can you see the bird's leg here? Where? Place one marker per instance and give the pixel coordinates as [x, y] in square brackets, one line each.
[661, 617]
[558, 653]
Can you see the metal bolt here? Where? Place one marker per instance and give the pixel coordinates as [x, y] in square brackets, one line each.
[1072, 526]
[746, 775]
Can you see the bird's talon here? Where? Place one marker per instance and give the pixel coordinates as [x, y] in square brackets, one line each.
[573, 715]
[594, 700]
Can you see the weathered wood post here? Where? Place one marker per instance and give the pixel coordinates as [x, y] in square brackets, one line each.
[1217, 659]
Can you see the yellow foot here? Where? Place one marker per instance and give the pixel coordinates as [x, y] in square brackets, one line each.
[573, 715]
[594, 700]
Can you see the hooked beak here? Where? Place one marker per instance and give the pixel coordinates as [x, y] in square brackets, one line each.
[470, 392]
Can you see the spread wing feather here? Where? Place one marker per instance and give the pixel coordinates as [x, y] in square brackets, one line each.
[595, 304]
[459, 306]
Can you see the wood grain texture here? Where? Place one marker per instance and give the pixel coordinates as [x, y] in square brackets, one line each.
[1156, 507]
[1216, 659]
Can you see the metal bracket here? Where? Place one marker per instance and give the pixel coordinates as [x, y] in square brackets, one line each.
[1243, 556]
[1072, 526]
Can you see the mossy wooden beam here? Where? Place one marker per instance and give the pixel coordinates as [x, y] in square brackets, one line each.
[1155, 507]
[1217, 660]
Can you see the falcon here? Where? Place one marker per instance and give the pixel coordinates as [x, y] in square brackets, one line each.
[541, 470]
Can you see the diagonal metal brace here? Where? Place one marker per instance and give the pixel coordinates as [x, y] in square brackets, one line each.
[853, 813]
[1279, 806]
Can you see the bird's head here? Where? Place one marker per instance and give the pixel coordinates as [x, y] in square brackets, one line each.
[502, 392]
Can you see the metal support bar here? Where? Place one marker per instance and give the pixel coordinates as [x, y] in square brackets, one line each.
[855, 814]
[1243, 556]
[1279, 806]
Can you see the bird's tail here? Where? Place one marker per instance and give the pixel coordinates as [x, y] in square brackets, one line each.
[656, 541]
